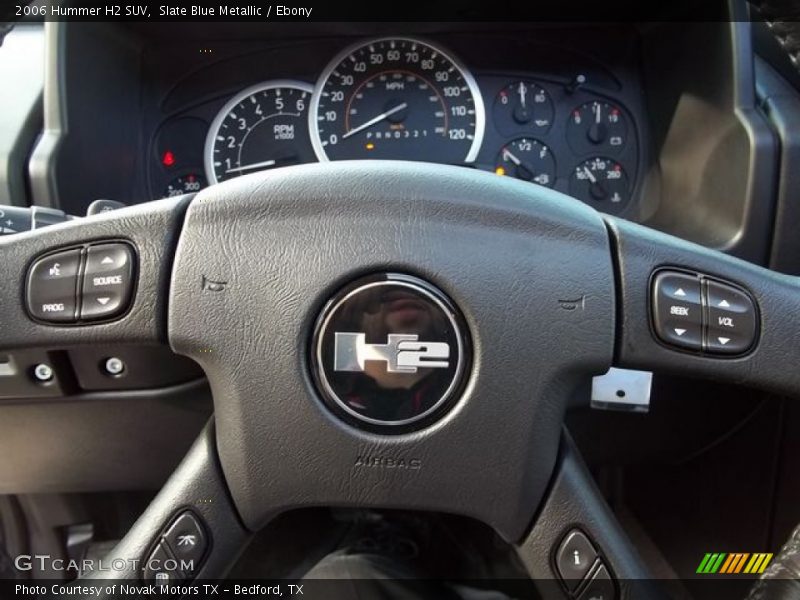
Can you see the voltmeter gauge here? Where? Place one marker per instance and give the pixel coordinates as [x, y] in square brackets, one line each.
[522, 106]
[601, 182]
[597, 127]
[527, 159]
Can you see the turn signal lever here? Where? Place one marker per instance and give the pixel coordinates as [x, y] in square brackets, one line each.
[16, 219]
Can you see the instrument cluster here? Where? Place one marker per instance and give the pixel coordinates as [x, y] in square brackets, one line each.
[408, 99]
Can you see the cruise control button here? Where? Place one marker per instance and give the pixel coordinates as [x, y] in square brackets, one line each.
[574, 558]
[677, 309]
[161, 567]
[188, 541]
[107, 281]
[600, 587]
[52, 287]
[731, 327]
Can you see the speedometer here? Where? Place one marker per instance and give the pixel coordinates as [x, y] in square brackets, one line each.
[396, 98]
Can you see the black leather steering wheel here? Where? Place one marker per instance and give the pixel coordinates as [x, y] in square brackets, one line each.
[551, 293]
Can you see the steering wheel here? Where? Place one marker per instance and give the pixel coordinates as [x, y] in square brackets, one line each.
[537, 293]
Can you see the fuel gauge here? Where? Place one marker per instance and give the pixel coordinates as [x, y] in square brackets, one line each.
[527, 159]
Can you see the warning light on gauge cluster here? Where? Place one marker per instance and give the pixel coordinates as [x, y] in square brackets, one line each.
[168, 159]
[500, 171]
[370, 146]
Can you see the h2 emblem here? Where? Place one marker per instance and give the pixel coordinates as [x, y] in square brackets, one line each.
[402, 353]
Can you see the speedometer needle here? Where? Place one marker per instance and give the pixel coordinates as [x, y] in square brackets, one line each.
[588, 173]
[377, 119]
[260, 165]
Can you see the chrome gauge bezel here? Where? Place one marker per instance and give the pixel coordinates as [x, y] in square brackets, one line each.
[469, 79]
[213, 130]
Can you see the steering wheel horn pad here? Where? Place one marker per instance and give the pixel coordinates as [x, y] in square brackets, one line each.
[509, 255]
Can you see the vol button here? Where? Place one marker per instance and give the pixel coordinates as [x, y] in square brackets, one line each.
[731, 327]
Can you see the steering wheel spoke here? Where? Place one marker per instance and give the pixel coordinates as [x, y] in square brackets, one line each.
[735, 302]
[205, 548]
[576, 545]
[100, 279]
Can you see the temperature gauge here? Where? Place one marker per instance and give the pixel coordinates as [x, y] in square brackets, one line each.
[597, 127]
[527, 159]
[523, 106]
[600, 182]
[185, 184]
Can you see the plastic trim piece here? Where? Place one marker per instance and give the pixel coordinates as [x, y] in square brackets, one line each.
[781, 105]
[21, 58]
[41, 165]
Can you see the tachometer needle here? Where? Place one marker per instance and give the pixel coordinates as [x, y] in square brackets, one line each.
[377, 119]
[591, 177]
[260, 165]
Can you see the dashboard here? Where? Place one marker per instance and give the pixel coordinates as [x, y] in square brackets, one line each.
[643, 121]
[575, 125]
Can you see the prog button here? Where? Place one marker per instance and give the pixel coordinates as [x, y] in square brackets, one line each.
[107, 281]
[52, 287]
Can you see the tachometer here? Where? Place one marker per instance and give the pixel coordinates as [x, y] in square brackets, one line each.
[396, 98]
[262, 127]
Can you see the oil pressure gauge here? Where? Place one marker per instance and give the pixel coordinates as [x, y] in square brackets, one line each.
[600, 182]
[523, 106]
[597, 127]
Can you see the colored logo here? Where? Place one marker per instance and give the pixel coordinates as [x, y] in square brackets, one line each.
[734, 563]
